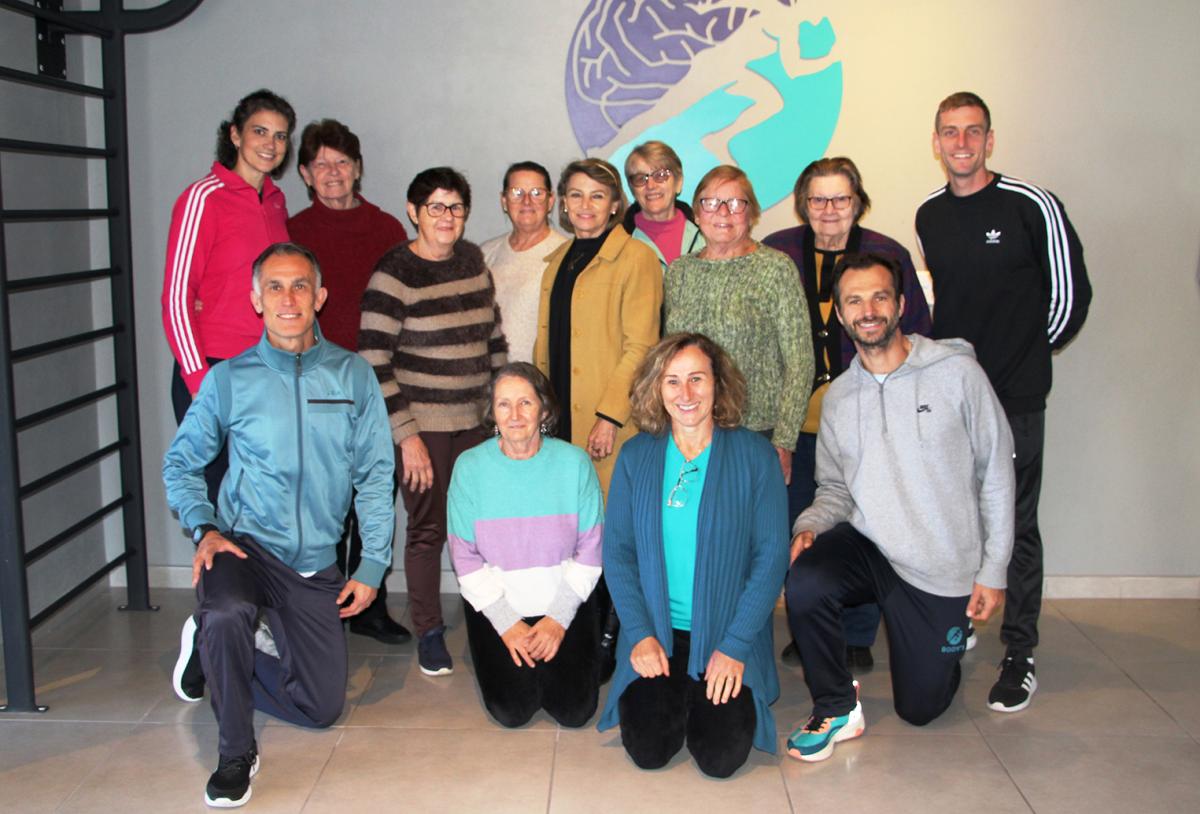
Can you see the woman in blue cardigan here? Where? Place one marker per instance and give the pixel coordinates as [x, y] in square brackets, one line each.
[695, 553]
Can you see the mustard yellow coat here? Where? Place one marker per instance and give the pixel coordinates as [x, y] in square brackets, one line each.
[615, 309]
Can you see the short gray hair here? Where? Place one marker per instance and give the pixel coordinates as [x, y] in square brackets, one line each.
[284, 249]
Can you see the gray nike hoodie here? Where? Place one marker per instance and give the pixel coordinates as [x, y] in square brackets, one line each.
[922, 465]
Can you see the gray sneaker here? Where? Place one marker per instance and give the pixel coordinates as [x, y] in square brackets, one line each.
[432, 655]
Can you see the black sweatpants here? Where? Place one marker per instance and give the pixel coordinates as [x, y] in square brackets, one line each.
[659, 714]
[1023, 599]
[567, 686]
[926, 633]
[306, 685]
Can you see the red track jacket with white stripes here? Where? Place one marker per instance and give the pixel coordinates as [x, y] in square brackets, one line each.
[218, 227]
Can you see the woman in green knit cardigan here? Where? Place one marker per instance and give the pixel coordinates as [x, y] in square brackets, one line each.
[748, 299]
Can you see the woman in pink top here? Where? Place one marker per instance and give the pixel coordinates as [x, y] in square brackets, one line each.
[219, 225]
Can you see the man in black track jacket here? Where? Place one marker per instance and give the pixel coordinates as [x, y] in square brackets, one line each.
[1008, 276]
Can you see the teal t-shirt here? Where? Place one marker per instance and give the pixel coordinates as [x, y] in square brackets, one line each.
[683, 483]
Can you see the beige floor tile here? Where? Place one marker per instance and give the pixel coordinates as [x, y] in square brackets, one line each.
[164, 768]
[42, 762]
[592, 773]
[1113, 772]
[1072, 699]
[433, 770]
[1134, 631]
[97, 685]
[941, 773]
[1174, 687]
[96, 623]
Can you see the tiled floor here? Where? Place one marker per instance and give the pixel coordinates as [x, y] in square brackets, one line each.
[1114, 727]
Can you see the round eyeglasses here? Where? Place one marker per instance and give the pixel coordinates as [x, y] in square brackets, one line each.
[535, 194]
[638, 180]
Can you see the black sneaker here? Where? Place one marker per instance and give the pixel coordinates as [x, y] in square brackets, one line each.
[432, 655]
[972, 639]
[1014, 689]
[188, 676]
[229, 785]
[859, 659]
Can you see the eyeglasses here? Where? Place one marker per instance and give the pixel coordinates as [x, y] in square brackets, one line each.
[536, 194]
[734, 205]
[437, 209]
[819, 202]
[677, 498]
[638, 180]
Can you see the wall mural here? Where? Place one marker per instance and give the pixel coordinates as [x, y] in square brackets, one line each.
[749, 82]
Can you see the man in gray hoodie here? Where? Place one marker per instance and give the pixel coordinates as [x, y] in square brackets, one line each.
[914, 511]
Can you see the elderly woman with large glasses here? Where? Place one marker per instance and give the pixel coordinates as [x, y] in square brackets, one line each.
[658, 218]
[431, 330]
[830, 201]
[695, 552]
[525, 528]
[598, 315]
[518, 259]
[748, 298]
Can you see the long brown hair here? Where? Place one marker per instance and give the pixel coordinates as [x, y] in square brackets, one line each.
[645, 394]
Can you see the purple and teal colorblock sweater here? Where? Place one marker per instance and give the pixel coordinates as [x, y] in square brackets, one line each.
[525, 535]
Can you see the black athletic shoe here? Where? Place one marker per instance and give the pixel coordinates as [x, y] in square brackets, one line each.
[229, 785]
[381, 628]
[859, 659]
[188, 676]
[1014, 689]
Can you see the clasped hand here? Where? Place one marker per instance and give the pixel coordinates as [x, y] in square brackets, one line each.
[538, 642]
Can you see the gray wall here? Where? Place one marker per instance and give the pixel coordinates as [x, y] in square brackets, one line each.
[1092, 100]
[35, 249]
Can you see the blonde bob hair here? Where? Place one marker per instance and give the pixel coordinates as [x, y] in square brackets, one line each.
[645, 394]
[602, 173]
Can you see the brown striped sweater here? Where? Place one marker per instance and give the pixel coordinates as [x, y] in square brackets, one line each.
[431, 330]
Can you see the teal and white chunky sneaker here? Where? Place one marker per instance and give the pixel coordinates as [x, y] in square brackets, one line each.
[814, 741]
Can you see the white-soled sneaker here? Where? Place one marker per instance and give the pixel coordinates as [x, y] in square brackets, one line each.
[1016, 685]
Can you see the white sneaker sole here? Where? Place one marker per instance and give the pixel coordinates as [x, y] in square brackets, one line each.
[226, 802]
[972, 640]
[998, 707]
[187, 642]
[444, 671]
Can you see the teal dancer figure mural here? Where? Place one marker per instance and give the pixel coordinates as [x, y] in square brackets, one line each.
[631, 59]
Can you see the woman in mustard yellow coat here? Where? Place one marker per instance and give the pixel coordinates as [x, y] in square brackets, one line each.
[599, 313]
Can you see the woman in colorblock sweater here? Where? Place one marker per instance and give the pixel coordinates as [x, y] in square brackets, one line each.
[695, 551]
[525, 525]
[431, 330]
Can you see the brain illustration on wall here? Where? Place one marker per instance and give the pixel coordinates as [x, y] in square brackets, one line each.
[771, 113]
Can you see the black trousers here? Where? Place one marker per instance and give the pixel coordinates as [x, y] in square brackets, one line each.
[658, 715]
[859, 622]
[567, 686]
[306, 684]
[926, 633]
[1023, 599]
[181, 399]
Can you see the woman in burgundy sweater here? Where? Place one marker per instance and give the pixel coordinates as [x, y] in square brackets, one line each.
[348, 234]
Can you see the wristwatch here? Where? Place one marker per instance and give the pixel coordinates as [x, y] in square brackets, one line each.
[199, 532]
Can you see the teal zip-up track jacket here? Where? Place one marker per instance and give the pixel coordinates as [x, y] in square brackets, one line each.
[305, 432]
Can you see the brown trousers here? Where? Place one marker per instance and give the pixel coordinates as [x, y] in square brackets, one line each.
[426, 528]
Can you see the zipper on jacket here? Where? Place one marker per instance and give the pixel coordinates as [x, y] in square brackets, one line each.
[883, 405]
[300, 458]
